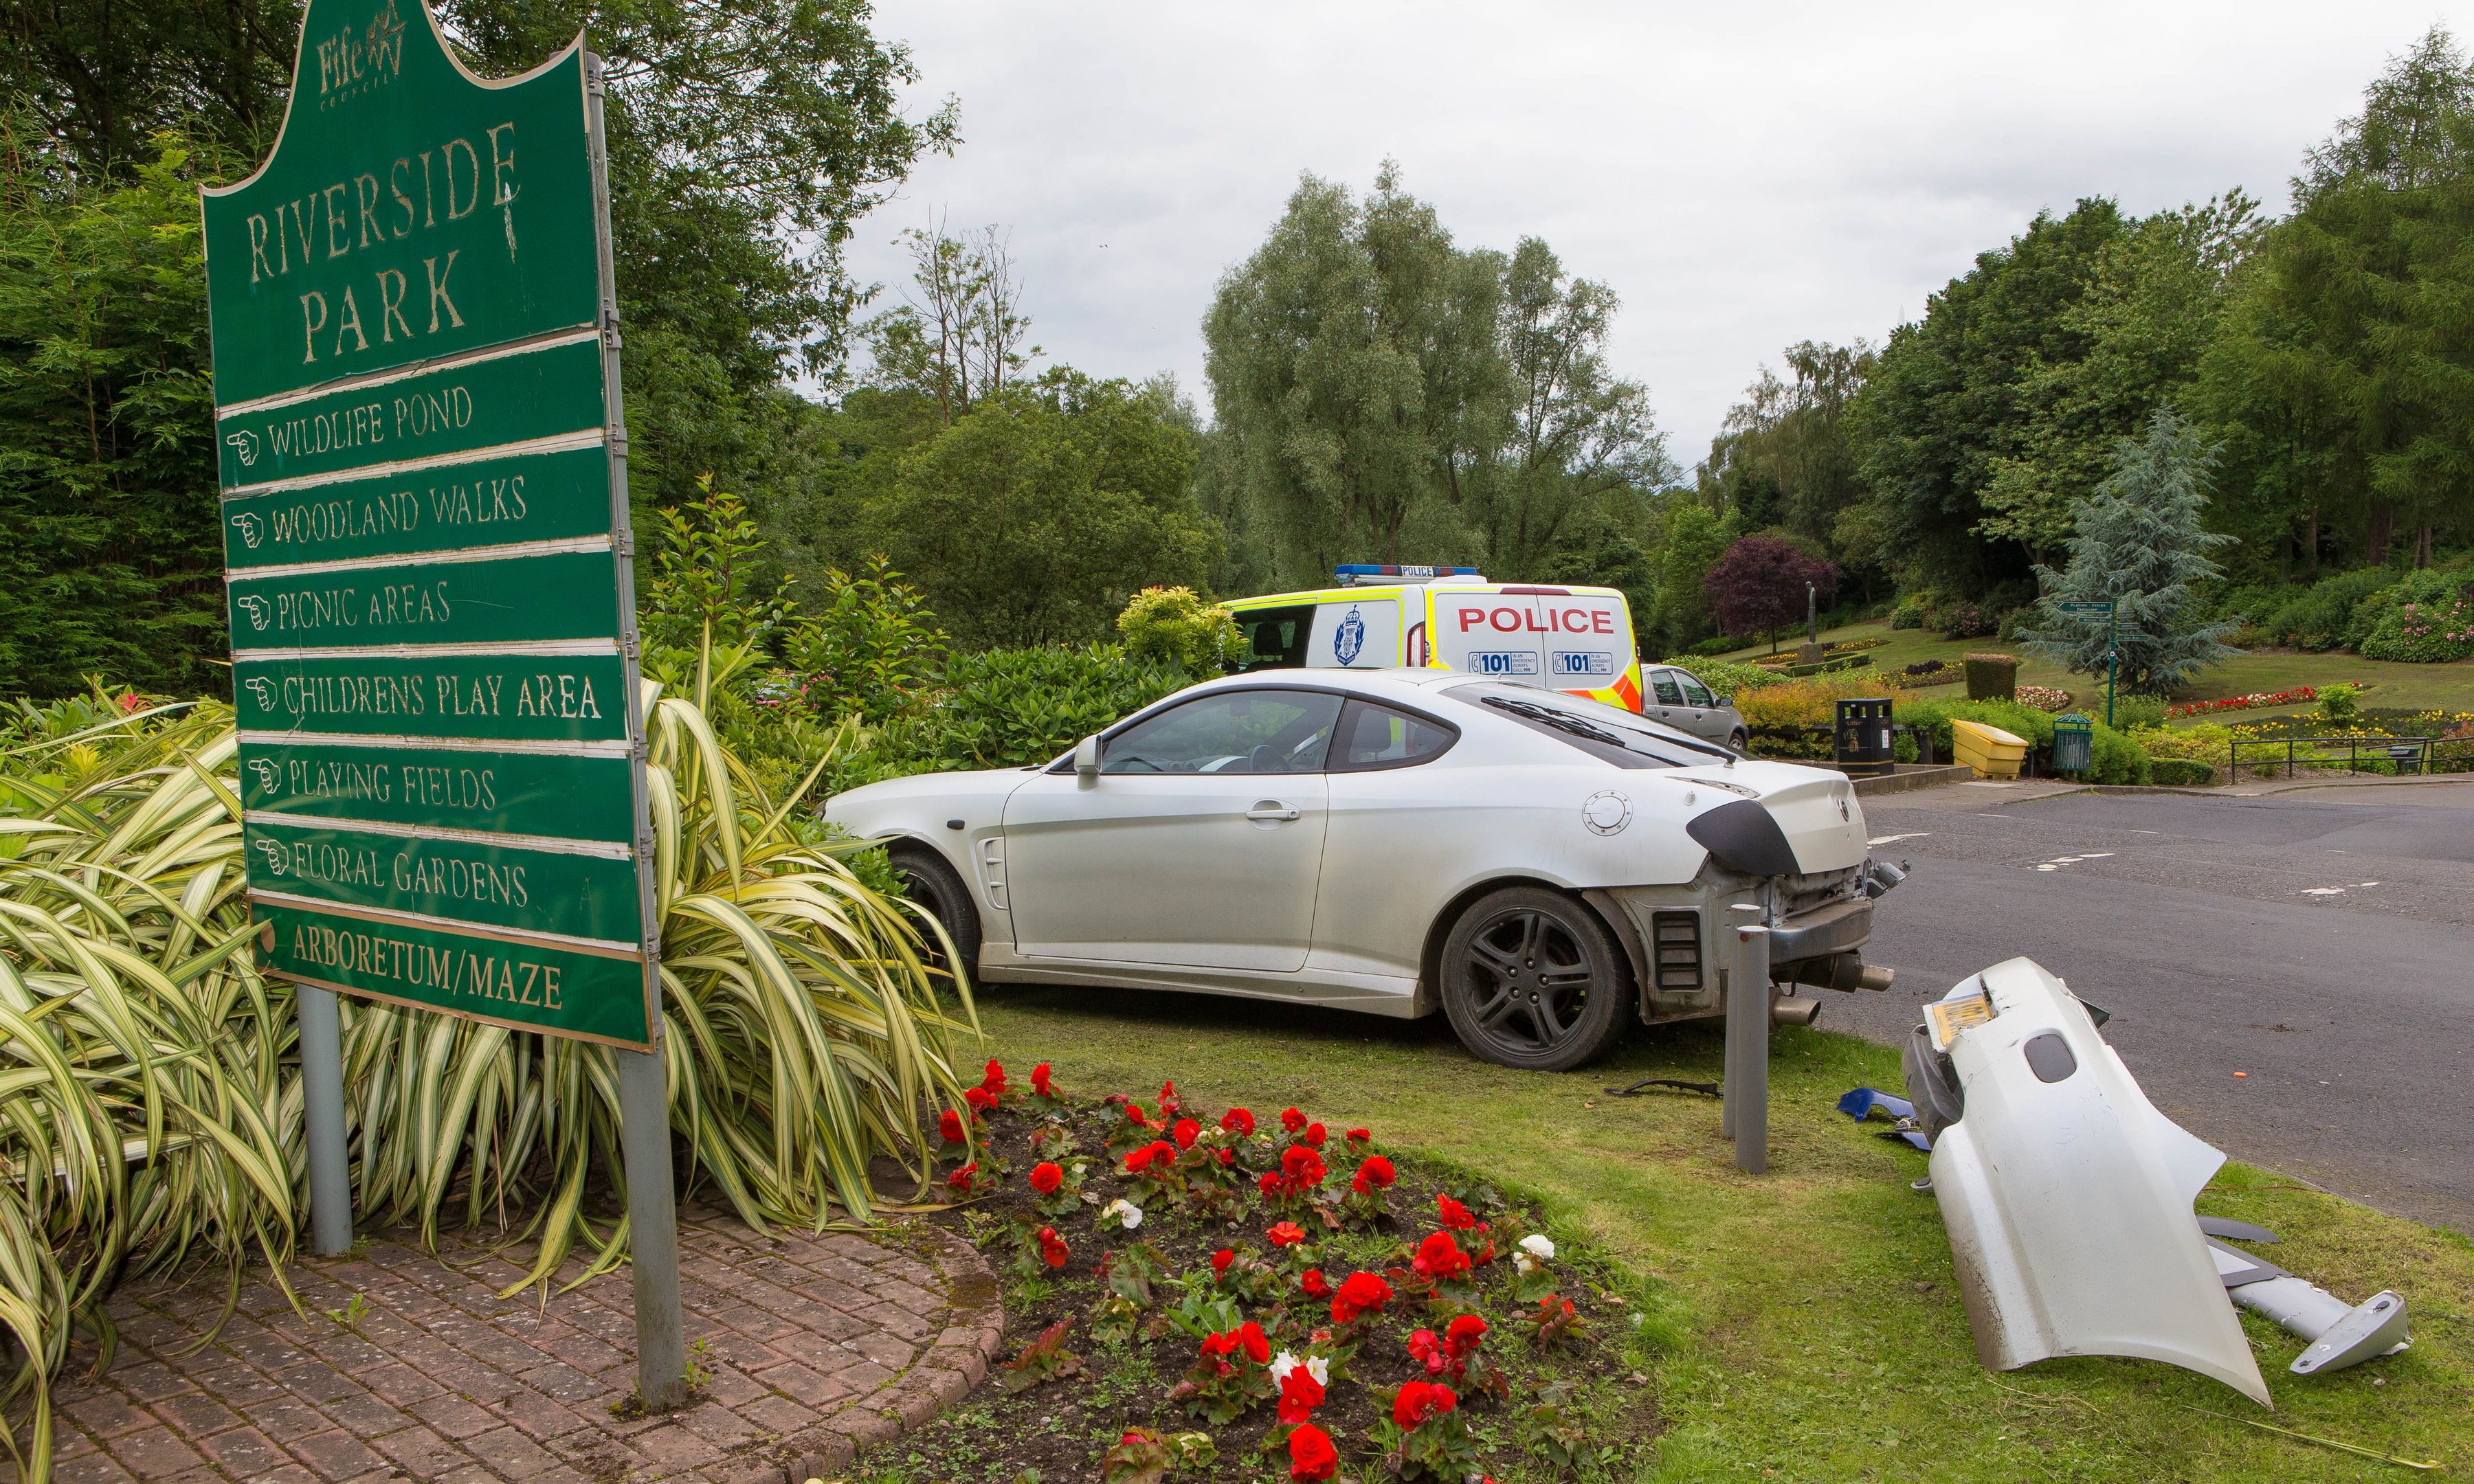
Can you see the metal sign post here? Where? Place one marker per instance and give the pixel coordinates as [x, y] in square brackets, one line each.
[2108, 611]
[1746, 1085]
[431, 589]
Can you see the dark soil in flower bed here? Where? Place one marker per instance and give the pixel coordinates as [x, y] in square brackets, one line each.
[1571, 1403]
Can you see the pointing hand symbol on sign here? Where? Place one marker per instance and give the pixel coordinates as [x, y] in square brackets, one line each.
[255, 607]
[262, 689]
[249, 529]
[244, 444]
[274, 855]
[269, 777]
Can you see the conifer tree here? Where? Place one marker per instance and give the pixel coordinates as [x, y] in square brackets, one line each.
[2140, 544]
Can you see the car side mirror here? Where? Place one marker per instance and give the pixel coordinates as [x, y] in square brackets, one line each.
[1726, 701]
[1086, 757]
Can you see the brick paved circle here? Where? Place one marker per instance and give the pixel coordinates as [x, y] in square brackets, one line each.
[818, 1346]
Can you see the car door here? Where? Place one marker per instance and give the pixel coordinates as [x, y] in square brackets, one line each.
[1198, 843]
[1708, 721]
[1664, 700]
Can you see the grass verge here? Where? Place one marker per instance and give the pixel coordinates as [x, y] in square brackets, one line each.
[1819, 1336]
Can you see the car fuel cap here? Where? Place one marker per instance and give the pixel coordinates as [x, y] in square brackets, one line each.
[1607, 813]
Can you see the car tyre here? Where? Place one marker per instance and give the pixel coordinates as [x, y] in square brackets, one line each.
[938, 889]
[1530, 978]
[1739, 740]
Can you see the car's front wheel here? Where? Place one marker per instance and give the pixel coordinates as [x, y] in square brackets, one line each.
[938, 889]
[1739, 740]
[1531, 978]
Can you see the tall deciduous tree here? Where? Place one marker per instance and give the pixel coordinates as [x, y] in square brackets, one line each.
[2141, 544]
[2348, 374]
[1762, 585]
[961, 337]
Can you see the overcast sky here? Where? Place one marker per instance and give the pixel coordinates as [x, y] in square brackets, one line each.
[1745, 175]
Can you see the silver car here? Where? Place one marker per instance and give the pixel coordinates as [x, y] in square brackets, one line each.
[1542, 868]
[1677, 697]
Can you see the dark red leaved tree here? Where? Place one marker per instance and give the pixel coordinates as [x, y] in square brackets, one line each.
[1757, 586]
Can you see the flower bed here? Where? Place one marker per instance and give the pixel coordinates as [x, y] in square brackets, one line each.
[1924, 673]
[2250, 703]
[2044, 698]
[1240, 1297]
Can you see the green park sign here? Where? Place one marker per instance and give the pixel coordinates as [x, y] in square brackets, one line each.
[424, 526]
[443, 801]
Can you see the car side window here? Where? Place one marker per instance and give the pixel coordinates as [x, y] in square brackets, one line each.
[1694, 692]
[1231, 731]
[1662, 683]
[1275, 638]
[1376, 736]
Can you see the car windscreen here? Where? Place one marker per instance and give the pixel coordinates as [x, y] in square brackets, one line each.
[1608, 732]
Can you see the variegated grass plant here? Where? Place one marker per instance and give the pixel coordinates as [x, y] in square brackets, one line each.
[150, 1097]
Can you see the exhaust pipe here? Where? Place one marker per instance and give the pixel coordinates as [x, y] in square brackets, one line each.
[1794, 1011]
[1845, 972]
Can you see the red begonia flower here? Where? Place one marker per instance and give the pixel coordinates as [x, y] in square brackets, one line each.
[1227, 1157]
[1271, 1181]
[949, 1126]
[1464, 1334]
[1221, 1260]
[1052, 1248]
[1039, 1081]
[1361, 1135]
[1426, 1349]
[1046, 1176]
[1440, 1258]
[961, 1179]
[1360, 1293]
[1138, 1159]
[1302, 1165]
[1455, 1215]
[1315, 1284]
[1311, 1455]
[1184, 1132]
[1422, 1401]
[1300, 1395]
[1286, 1233]
[995, 1079]
[1168, 1100]
[1238, 1121]
[1257, 1345]
[978, 1099]
[1314, 1135]
[1293, 1120]
[1375, 1174]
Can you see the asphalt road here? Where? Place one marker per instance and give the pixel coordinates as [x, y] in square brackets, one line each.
[2321, 941]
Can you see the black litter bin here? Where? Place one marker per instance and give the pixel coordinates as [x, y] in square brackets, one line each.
[2074, 744]
[1863, 740]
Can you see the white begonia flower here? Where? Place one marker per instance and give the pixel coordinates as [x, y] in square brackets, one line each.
[1128, 1216]
[1538, 1245]
[1320, 1369]
[1281, 1364]
[1524, 1264]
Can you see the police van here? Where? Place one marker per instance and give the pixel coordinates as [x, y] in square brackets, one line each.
[1570, 638]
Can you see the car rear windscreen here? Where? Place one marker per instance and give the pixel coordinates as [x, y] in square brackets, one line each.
[1608, 732]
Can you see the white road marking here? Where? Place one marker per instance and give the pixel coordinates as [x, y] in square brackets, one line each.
[2049, 867]
[1913, 834]
[2096, 855]
[2323, 891]
[2367, 883]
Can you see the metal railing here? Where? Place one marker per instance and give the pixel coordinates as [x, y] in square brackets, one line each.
[2404, 755]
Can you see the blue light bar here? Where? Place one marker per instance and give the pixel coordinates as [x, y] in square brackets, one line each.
[1350, 574]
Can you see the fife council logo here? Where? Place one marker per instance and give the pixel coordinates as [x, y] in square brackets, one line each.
[355, 56]
[1349, 641]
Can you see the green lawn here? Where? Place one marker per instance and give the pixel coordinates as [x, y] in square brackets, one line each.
[1822, 1339]
[2448, 688]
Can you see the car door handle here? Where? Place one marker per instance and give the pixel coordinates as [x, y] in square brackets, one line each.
[1271, 811]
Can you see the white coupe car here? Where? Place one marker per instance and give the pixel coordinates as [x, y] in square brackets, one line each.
[1538, 866]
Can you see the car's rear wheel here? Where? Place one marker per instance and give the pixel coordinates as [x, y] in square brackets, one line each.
[938, 890]
[1531, 978]
[1739, 740]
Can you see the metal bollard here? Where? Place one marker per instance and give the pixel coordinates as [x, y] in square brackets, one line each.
[322, 1085]
[1748, 1048]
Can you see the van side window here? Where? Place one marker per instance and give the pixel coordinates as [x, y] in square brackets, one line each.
[1275, 638]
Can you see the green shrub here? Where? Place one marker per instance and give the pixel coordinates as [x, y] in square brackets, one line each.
[2426, 618]
[1728, 679]
[2321, 616]
[1011, 707]
[2340, 701]
[2118, 757]
[2181, 773]
[1909, 614]
[1172, 626]
[871, 648]
[1719, 644]
[2130, 713]
[1992, 677]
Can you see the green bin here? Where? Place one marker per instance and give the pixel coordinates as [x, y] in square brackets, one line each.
[2074, 743]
